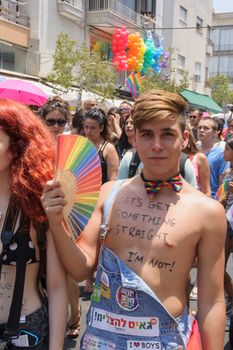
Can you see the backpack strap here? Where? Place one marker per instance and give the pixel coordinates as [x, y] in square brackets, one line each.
[12, 326]
[183, 159]
[8, 227]
[134, 163]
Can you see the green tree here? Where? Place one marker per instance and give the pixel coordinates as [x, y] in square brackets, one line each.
[230, 97]
[220, 88]
[82, 67]
[164, 81]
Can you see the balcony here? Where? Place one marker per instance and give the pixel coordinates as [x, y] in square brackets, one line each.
[108, 14]
[14, 24]
[13, 13]
[72, 9]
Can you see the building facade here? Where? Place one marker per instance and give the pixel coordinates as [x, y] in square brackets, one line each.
[187, 32]
[29, 30]
[222, 59]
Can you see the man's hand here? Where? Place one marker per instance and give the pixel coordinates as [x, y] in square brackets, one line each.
[53, 202]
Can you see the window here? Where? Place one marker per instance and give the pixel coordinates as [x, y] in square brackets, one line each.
[199, 24]
[197, 74]
[180, 61]
[183, 15]
[221, 64]
[12, 58]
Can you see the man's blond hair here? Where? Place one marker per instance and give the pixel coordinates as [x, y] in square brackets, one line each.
[159, 105]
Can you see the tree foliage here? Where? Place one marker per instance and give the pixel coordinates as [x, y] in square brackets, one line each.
[82, 67]
[164, 81]
[220, 88]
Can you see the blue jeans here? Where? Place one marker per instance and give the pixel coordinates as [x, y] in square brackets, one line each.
[125, 314]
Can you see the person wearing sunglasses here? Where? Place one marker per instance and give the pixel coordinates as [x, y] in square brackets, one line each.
[125, 109]
[55, 114]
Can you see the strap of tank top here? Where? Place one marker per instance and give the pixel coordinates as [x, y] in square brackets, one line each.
[102, 147]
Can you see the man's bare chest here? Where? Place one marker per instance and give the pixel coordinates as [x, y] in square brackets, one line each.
[151, 225]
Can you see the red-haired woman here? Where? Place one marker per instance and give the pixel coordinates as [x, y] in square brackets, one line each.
[26, 162]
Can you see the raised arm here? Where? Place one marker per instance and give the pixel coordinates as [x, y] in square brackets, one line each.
[78, 259]
[211, 304]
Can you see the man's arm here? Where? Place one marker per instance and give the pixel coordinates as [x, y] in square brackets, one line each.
[211, 304]
[78, 259]
[112, 162]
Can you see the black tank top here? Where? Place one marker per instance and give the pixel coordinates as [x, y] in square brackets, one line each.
[103, 162]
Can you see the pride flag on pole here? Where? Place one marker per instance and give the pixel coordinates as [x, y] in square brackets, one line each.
[133, 83]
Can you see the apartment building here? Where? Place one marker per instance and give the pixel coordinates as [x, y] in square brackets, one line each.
[187, 31]
[28, 30]
[222, 59]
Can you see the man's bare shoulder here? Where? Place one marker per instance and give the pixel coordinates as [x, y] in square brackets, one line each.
[209, 209]
[107, 188]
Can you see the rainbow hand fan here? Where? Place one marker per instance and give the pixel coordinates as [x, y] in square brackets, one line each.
[79, 171]
[222, 191]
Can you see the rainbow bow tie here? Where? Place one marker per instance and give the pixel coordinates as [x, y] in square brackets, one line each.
[153, 187]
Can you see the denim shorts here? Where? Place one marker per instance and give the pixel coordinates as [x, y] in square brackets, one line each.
[125, 314]
[33, 331]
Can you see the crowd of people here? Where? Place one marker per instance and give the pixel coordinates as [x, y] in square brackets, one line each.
[161, 218]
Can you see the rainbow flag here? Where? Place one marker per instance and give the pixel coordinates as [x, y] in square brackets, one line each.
[222, 191]
[133, 82]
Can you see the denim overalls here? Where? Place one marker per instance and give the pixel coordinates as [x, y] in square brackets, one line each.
[125, 314]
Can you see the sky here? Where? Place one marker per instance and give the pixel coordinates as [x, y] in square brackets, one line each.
[223, 5]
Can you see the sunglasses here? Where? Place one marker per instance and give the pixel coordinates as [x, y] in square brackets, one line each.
[52, 122]
[124, 110]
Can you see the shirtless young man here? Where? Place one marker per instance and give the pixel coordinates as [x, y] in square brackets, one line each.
[139, 301]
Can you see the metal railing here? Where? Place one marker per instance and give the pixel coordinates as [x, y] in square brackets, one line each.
[148, 23]
[12, 12]
[116, 7]
[223, 47]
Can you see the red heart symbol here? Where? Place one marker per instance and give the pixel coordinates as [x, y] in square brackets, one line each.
[136, 344]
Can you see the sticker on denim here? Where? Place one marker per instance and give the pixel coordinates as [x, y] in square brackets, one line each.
[96, 295]
[127, 299]
[104, 285]
[104, 279]
[91, 342]
[142, 345]
[121, 324]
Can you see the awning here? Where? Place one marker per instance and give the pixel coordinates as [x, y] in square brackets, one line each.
[200, 101]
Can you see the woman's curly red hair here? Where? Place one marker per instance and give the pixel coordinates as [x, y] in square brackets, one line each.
[33, 151]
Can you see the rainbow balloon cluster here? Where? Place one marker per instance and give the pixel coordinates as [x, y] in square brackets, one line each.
[131, 53]
[119, 48]
[136, 51]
